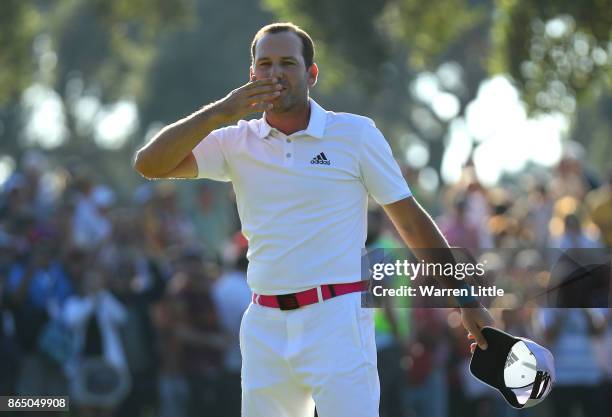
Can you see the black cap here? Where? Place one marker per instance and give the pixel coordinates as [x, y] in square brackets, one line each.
[519, 368]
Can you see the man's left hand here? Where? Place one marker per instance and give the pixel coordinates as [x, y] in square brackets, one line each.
[474, 318]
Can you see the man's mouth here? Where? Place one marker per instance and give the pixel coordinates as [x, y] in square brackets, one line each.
[281, 92]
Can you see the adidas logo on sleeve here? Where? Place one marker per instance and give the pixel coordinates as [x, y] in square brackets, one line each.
[320, 159]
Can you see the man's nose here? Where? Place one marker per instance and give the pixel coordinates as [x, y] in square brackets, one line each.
[276, 70]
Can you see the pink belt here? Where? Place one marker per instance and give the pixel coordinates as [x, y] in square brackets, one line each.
[307, 297]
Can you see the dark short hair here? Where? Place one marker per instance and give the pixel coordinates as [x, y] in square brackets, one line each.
[307, 43]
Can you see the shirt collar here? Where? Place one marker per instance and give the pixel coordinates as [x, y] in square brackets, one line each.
[316, 124]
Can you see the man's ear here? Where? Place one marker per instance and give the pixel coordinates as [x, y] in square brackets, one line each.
[313, 74]
[251, 73]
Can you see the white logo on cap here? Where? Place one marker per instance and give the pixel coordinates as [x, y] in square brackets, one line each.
[520, 369]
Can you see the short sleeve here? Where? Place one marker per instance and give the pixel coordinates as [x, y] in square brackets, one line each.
[380, 173]
[210, 157]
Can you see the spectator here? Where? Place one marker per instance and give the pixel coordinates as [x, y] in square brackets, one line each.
[426, 356]
[391, 324]
[604, 358]
[456, 227]
[570, 335]
[192, 342]
[8, 347]
[165, 227]
[599, 202]
[572, 178]
[36, 289]
[191, 349]
[173, 389]
[478, 209]
[466, 395]
[90, 224]
[232, 296]
[574, 236]
[98, 371]
[137, 293]
[540, 212]
[15, 203]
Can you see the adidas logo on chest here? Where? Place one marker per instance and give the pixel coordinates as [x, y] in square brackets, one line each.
[320, 159]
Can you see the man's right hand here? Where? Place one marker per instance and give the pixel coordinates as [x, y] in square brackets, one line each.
[169, 153]
[253, 97]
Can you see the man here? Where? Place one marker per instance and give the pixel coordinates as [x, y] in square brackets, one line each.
[302, 176]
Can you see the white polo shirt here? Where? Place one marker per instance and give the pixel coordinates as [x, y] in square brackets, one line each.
[302, 198]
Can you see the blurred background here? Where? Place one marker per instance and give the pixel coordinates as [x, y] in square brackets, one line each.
[127, 294]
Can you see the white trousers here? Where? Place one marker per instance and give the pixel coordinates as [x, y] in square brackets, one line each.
[323, 353]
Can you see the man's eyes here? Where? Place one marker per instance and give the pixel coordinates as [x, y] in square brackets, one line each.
[267, 64]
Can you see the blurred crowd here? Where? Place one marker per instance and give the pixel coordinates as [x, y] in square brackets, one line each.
[118, 304]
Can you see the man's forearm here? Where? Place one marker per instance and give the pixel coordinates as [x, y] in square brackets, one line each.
[174, 142]
[420, 233]
[428, 244]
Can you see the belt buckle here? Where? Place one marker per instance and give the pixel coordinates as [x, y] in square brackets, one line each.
[287, 301]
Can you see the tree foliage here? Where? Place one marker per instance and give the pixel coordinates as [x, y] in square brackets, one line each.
[428, 29]
[201, 63]
[107, 42]
[110, 44]
[100, 49]
[172, 56]
[19, 23]
[557, 51]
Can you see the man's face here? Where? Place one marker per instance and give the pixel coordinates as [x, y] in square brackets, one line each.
[280, 55]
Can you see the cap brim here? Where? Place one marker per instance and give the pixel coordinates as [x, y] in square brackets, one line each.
[485, 364]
